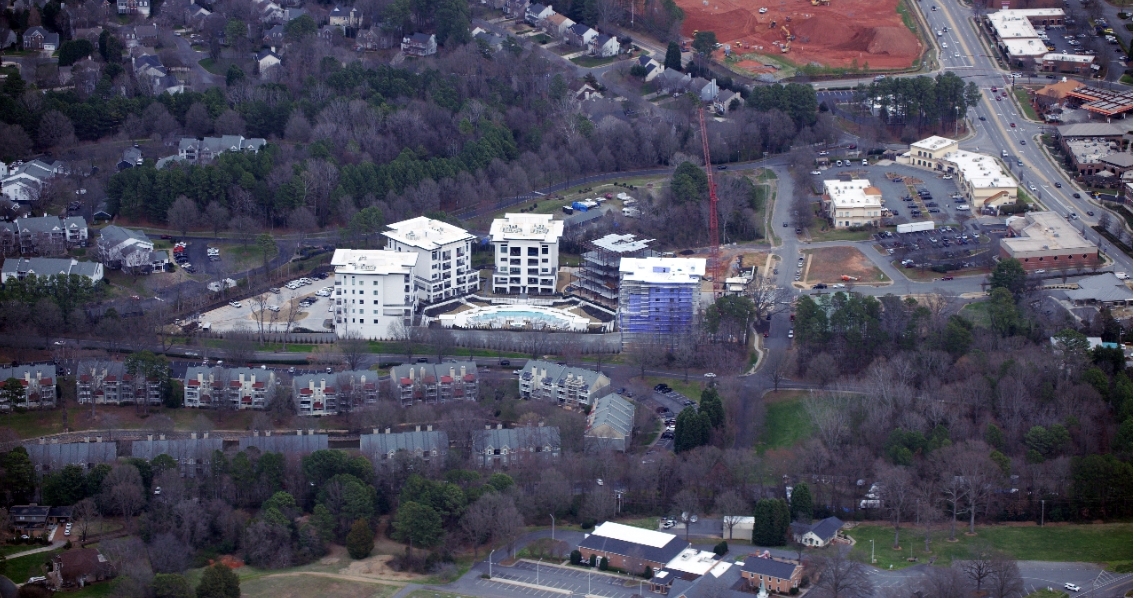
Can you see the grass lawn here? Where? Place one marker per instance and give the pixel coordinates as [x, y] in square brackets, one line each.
[644, 523]
[837, 234]
[302, 586]
[42, 423]
[977, 313]
[1025, 103]
[1047, 594]
[1086, 543]
[97, 590]
[691, 388]
[210, 65]
[19, 570]
[907, 19]
[591, 61]
[8, 549]
[786, 422]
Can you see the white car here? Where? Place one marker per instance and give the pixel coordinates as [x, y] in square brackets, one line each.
[710, 375]
[763, 10]
[235, 303]
[947, 177]
[944, 44]
[816, 172]
[1071, 587]
[274, 308]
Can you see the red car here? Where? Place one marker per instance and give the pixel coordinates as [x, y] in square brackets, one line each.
[765, 335]
[1013, 125]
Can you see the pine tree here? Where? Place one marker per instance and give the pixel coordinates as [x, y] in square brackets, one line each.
[360, 540]
[801, 503]
[673, 56]
[219, 581]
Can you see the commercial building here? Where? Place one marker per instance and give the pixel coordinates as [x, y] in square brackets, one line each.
[373, 292]
[984, 181]
[610, 424]
[434, 382]
[1014, 32]
[773, 574]
[501, 447]
[193, 455]
[574, 387]
[427, 445]
[1045, 241]
[598, 278]
[234, 388]
[631, 549]
[1061, 62]
[1102, 102]
[52, 456]
[526, 247]
[658, 296]
[340, 392]
[444, 257]
[852, 203]
[38, 382]
[1095, 147]
[20, 268]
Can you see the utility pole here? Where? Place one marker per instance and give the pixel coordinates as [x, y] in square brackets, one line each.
[553, 527]
[872, 561]
[490, 562]
[1042, 501]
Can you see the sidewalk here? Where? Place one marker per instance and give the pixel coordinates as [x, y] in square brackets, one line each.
[47, 548]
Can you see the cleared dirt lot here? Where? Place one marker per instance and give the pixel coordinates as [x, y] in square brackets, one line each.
[829, 264]
[845, 33]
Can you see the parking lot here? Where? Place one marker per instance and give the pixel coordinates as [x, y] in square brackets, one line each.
[893, 192]
[245, 317]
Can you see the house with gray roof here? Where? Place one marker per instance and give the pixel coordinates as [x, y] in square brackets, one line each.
[562, 384]
[53, 456]
[818, 534]
[38, 38]
[773, 574]
[429, 445]
[201, 150]
[20, 268]
[125, 249]
[39, 387]
[299, 443]
[131, 157]
[501, 447]
[1102, 289]
[610, 424]
[193, 455]
[419, 45]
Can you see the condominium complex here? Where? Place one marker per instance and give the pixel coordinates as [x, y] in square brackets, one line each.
[434, 382]
[500, 446]
[427, 445]
[38, 383]
[373, 291]
[574, 387]
[232, 388]
[108, 383]
[339, 392]
[598, 278]
[526, 249]
[444, 260]
[659, 296]
[852, 203]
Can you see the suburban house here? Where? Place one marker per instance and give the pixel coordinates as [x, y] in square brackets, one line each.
[200, 150]
[583, 91]
[818, 534]
[345, 18]
[773, 574]
[150, 72]
[131, 157]
[653, 67]
[21, 187]
[79, 567]
[274, 36]
[266, 61]
[853, 203]
[236, 388]
[38, 38]
[605, 46]
[427, 445]
[673, 82]
[631, 549]
[134, 7]
[193, 455]
[374, 38]
[706, 90]
[493, 42]
[527, 253]
[536, 14]
[514, 9]
[575, 387]
[53, 456]
[610, 424]
[444, 257]
[380, 287]
[38, 383]
[434, 382]
[557, 25]
[327, 394]
[125, 249]
[1046, 241]
[19, 268]
[147, 35]
[419, 45]
[28, 519]
[500, 446]
[580, 35]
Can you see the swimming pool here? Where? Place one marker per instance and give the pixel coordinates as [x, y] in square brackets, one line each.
[507, 317]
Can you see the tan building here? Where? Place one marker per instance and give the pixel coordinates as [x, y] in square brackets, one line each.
[852, 203]
[984, 181]
[928, 151]
[1045, 241]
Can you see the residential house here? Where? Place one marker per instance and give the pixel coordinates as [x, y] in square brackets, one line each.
[434, 382]
[134, 7]
[419, 45]
[605, 46]
[152, 74]
[345, 18]
[527, 253]
[79, 567]
[269, 12]
[706, 90]
[427, 445]
[193, 455]
[292, 13]
[21, 187]
[38, 382]
[53, 456]
[444, 263]
[632, 549]
[501, 447]
[380, 289]
[583, 91]
[536, 14]
[49, 266]
[147, 35]
[724, 102]
[125, 249]
[203, 150]
[50, 235]
[195, 16]
[328, 33]
[818, 534]
[266, 62]
[557, 25]
[673, 82]
[493, 42]
[514, 9]
[28, 519]
[234, 388]
[610, 424]
[775, 575]
[38, 38]
[340, 392]
[580, 35]
[565, 385]
[274, 36]
[91, 34]
[653, 67]
[375, 38]
[131, 157]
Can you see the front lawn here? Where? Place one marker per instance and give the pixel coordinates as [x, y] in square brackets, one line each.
[591, 62]
[19, 570]
[1025, 104]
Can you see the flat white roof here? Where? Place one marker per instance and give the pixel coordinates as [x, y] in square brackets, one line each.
[1011, 26]
[526, 227]
[856, 193]
[1044, 231]
[1025, 47]
[635, 535]
[426, 233]
[981, 171]
[692, 560]
[1084, 58]
[622, 243]
[662, 269]
[373, 261]
[1031, 12]
[932, 143]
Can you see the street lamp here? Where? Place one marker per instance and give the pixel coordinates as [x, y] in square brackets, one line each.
[872, 561]
[553, 528]
[490, 562]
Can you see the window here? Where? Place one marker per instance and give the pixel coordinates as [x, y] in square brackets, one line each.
[545, 249]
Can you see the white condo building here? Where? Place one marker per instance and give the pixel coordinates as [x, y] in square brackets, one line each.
[526, 247]
[444, 261]
[373, 290]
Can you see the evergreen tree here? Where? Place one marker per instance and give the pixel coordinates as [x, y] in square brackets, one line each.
[417, 525]
[711, 406]
[219, 581]
[1008, 274]
[772, 518]
[19, 476]
[673, 56]
[801, 503]
[360, 540]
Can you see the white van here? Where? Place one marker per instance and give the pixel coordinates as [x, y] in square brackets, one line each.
[963, 207]
[838, 162]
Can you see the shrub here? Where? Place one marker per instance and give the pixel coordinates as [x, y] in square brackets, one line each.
[604, 564]
[794, 591]
[721, 548]
[594, 559]
[648, 573]
[576, 557]
[360, 540]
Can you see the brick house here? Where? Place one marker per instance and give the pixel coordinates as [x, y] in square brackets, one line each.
[631, 548]
[776, 575]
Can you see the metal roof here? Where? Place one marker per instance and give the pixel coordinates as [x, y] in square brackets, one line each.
[611, 413]
[56, 456]
[286, 443]
[180, 449]
[411, 442]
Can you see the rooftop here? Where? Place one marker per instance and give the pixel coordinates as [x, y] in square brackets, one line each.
[769, 567]
[1009, 24]
[1061, 57]
[663, 270]
[1032, 12]
[692, 560]
[411, 442]
[932, 143]
[1089, 151]
[526, 227]
[1045, 231]
[426, 233]
[1025, 47]
[635, 535]
[621, 243]
[1104, 101]
[614, 412]
[1106, 288]
[372, 261]
[1090, 130]
[980, 170]
[856, 193]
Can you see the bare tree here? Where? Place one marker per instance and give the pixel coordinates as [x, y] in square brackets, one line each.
[406, 337]
[769, 298]
[183, 214]
[122, 490]
[261, 313]
[779, 368]
[217, 216]
[441, 341]
[841, 577]
[239, 347]
[978, 567]
[981, 477]
[952, 486]
[897, 489]
[1004, 580]
[732, 509]
[84, 514]
[354, 349]
[688, 504]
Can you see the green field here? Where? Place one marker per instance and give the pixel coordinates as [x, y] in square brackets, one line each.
[786, 422]
[1103, 543]
[19, 570]
[303, 586]
[1025, 104]
[977, 313]
[691, 388]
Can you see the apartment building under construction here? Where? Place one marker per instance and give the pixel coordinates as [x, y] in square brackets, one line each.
[598, 278]
[658, 296]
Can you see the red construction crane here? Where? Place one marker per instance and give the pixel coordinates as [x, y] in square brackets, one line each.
[714, 226]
